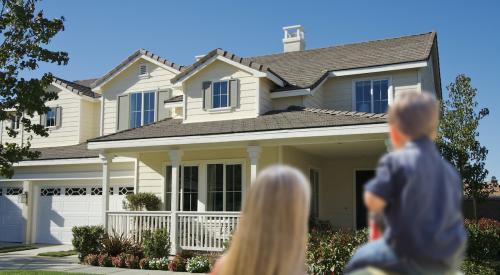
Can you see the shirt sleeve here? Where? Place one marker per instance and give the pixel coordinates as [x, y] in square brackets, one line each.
[382, 184]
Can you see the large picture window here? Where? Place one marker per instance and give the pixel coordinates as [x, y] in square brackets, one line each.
[142, 109]
[220, 97]
[188, 188]
[371, 96]
[224, 192]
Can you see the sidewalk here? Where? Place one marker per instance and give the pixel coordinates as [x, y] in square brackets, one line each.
[27, 260]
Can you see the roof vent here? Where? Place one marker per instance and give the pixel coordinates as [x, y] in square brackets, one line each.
[294, 39]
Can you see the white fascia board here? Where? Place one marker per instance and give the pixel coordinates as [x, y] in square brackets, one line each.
[143, 56]
[378, 69]
[70, 176]
[375, 128]
[174, 104]
[49, 162]
[290, 93]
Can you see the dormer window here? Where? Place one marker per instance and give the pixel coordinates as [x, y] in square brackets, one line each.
[143, 70]
[220, 96]
[371, 96]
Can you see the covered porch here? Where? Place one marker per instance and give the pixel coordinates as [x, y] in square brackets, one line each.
[203, 186]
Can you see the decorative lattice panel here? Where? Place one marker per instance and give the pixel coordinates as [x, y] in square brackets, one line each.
[125, 190]
[75, 191]
[14, 191]
[49, 192]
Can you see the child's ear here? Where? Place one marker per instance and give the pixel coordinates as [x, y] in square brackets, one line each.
[396, 137]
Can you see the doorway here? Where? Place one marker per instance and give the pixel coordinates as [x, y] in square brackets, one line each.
[362, 177]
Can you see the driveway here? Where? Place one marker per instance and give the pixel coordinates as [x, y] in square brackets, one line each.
[28, 259]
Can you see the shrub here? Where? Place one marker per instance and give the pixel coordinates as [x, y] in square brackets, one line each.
[118, 261]
[135, 249]
[156, 243]
[198, 264]
[131, 261]
[87, 240]
[178, 263]
[142, 201]
[330, 250]
[115, 244]
[472, 268]
[484, 239]
[158, 263]
[144, 263]
[104, 260]
[91, 259]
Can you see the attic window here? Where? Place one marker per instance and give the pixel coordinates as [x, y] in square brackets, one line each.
[143, 70]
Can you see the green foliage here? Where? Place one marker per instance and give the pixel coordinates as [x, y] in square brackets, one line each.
[469, 267]
[198, 264]
[458, 134]
[178, 263]
[484, 239]
[144, 263]
[330, 250]
[87, 240]
[91, 259]
[159, 263]
[131, 261]
[104, 260]
[114, 244]
[142, 201]
[156, 243]
[26, 32]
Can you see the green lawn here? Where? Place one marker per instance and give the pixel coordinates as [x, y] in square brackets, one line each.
[16, 248]
[58, 253]
[38, 272]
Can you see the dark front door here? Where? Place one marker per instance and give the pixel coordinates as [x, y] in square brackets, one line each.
[362, 177]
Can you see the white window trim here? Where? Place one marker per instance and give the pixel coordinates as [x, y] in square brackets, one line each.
[225, 108]
[390, 90]
[155, 107]
[55, 118]
[146, 75]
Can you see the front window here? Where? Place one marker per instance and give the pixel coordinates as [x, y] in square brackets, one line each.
[149, 108]
[224, 187]
[15, 122]
[135, 110]
[220, 98]
[188, 188]
[372, 96]
[50, 120]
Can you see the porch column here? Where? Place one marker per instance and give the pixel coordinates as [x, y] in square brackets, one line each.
[175, 160]
[27, 210]
[106, 161]
[253, 154]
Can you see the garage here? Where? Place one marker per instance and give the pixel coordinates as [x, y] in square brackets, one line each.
[11, 218]
[60, 208]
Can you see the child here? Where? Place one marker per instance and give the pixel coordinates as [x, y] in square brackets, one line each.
[419, 194]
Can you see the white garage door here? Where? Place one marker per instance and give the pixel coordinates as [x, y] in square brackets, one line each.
[11, 217]
[62, 208]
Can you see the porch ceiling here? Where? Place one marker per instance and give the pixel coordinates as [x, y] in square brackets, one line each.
[345, 149]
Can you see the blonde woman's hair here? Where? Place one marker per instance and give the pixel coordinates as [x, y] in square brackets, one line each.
[271, 237]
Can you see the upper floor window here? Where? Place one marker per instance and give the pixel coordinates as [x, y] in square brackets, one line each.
[372, 96]
[142, 109]
[52, 118]
[220, 96]
[15, 122]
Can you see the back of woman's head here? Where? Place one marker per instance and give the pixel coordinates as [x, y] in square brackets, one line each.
[272, 234]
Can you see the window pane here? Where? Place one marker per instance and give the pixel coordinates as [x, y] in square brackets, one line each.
[190, 188]
[51, 117]
[380, 95]
[135, 110]
[220, 97]
[168, 188]
[215, 181]
[363, 96]
[233, 187]
[149, 107]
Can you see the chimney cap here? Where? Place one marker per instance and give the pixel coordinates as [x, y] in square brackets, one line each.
[293, 27]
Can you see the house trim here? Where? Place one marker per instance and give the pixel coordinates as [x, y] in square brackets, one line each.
[70, 161]
[372, 128]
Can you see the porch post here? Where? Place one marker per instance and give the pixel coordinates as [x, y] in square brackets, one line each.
[175, 160]
[253, 154]
[27, 211]
[106, 160]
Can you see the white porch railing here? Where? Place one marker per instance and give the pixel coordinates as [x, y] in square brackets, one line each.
[205, 231]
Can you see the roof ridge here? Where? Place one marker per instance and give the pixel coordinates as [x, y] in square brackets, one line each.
[346, 113]
[346, 44]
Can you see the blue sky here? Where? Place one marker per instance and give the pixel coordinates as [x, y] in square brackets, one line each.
[100, 34]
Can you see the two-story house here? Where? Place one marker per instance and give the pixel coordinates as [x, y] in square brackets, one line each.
[197, 136]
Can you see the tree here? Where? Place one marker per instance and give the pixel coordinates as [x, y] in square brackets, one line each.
[25, 33]
[458, 133]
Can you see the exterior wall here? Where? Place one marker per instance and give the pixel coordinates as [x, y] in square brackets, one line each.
[427, 79]
[90, 114]
[265, 100]
[218, 70]
[129, 81]
[284, 102]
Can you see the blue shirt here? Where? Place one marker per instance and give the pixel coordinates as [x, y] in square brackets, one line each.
[424, 199]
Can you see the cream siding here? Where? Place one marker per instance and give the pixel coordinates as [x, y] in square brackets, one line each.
[218, 70]
[90, 114]
[427, 79]
[265, 88]
[315, 100]
[283, 103]
[128, 81]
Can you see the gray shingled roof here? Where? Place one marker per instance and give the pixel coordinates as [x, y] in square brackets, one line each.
[305, 69]
[132, 57]
[80, 87]
[67, 152]
[292, 118]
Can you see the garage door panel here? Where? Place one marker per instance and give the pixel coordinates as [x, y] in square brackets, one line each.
[12, 223]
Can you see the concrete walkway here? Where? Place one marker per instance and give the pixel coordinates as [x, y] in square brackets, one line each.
[28, 260]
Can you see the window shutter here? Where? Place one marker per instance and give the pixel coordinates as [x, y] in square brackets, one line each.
[43, 120]
[58, 116]
[233, 92]
[123, 112]
[207, 95]
[163, 112]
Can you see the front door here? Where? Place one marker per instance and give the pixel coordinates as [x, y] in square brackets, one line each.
[362, 177]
